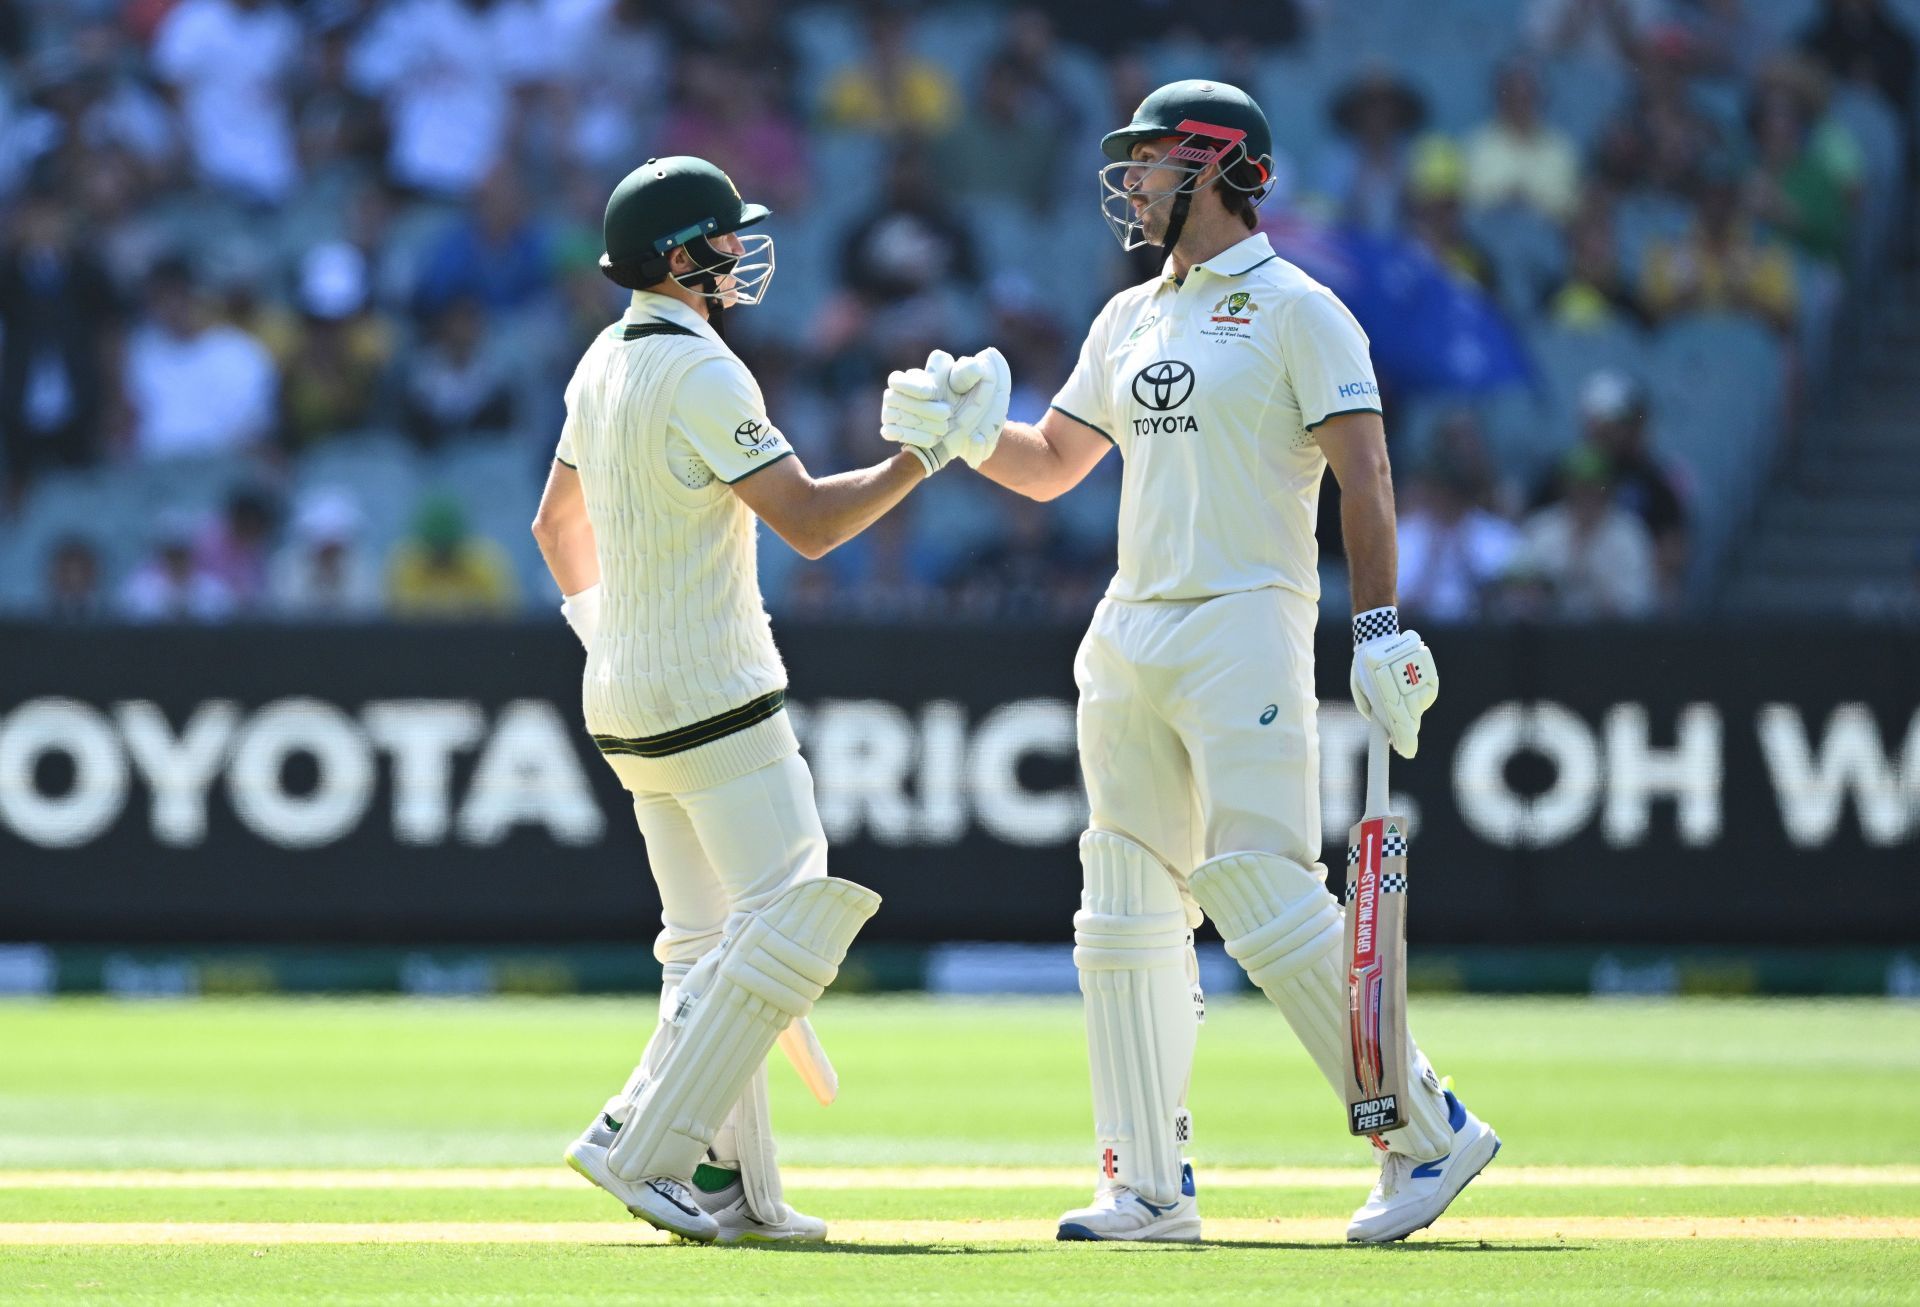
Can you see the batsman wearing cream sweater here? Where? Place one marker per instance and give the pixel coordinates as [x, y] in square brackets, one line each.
[647, 523]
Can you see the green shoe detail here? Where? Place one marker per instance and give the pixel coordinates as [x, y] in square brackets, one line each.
[610, 1123]
[710, 1179]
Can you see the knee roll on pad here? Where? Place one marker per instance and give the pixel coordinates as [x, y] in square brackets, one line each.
[1130, 910]
[1276, 916]
[1134, 951]
[726, 1015]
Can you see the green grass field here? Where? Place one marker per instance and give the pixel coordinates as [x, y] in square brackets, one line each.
[378, 1151]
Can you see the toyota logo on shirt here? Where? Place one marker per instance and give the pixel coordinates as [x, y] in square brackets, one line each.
[1164, 385]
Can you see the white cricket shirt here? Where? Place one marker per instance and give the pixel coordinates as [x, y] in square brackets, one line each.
[1212, 388]
[683, 676]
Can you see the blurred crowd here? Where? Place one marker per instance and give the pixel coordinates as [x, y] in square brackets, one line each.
[319, 271]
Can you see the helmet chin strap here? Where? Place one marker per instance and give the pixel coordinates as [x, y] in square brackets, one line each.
[1177, 219]
[713, 265]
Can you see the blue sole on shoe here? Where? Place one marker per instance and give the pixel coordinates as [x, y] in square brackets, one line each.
[1077, 1234]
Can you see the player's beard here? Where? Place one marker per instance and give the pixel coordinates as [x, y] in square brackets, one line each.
[1156, 216]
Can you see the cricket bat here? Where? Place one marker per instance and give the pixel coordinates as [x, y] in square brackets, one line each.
[1377, 957]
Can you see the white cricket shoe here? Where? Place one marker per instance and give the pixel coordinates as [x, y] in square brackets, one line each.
[1121, 1215]
[722, 1196]
[1411, 1195]
[661, 1201]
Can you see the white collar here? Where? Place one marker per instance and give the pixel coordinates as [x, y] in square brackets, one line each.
[1234, 261]
[651, 305]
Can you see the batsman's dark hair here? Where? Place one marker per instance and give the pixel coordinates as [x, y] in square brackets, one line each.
[1237, 187]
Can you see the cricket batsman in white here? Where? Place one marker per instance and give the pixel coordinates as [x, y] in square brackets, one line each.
[647, 524]
[1230, 383]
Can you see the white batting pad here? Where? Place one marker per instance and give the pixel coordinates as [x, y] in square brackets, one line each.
[753, 1150]
[1132, 946]
[1282, 926]
[727, 1013]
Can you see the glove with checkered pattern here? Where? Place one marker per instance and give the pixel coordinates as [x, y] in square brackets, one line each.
[1394, 681]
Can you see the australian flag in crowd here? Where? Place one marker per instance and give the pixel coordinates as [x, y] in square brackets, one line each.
[1432, 332]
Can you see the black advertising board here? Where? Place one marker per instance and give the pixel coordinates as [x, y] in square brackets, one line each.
[1668, 786]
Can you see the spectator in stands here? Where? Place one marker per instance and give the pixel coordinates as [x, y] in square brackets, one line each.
[735, 122]
[77, 99]
[1602, 31]
[1807, 183]
[454, 384]
[1615, 411]
[1453, 552]
[110, 207]
[1596, 292]
[1725, 264]
[340, 128]
[1595, 557]
[891, 89]
[1010, 144]
[73, 589]
[445, 573]
[1518, 157]
[233, 547]
[496, 253]
[170, 586]
[617, 75]
[193, 387]
[230, 62]
[338, 359]
[1363, 176]
[59, 318]
[902, 266]
[1728, 40]
[323, 571]
[1491, 487]
[1663, 137]
[1862, 42]
[446, 70]
[1112, 25]
[1436, 179]
[1033, 570]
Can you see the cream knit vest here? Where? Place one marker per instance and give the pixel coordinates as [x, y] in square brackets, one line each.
[683, 683]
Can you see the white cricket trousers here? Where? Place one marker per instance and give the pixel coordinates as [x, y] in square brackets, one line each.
[723, 850]
[1197, 728]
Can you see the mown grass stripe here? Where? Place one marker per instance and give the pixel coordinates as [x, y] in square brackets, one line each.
[972, 1177]
[1491, 1230]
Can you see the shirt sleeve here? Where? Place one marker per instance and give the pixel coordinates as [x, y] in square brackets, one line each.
[721, 414]
[1087, 395]
[1327, 361]
[563, 452]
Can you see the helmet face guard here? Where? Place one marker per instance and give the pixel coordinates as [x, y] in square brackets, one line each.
[1199, 145]
[726, 279]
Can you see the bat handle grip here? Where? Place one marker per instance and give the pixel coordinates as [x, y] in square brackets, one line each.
[1377, 756]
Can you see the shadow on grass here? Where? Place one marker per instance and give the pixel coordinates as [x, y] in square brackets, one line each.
[961, 1248]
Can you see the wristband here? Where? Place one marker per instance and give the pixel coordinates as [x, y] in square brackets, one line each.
[932, 457]
[1374, 623]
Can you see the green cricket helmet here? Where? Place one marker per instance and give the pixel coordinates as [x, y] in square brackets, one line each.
[1209, 123]
[665, 204]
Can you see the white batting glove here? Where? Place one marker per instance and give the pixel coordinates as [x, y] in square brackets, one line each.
[582, 611]
[915, 414]
[982, 386]
[1394, 680]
